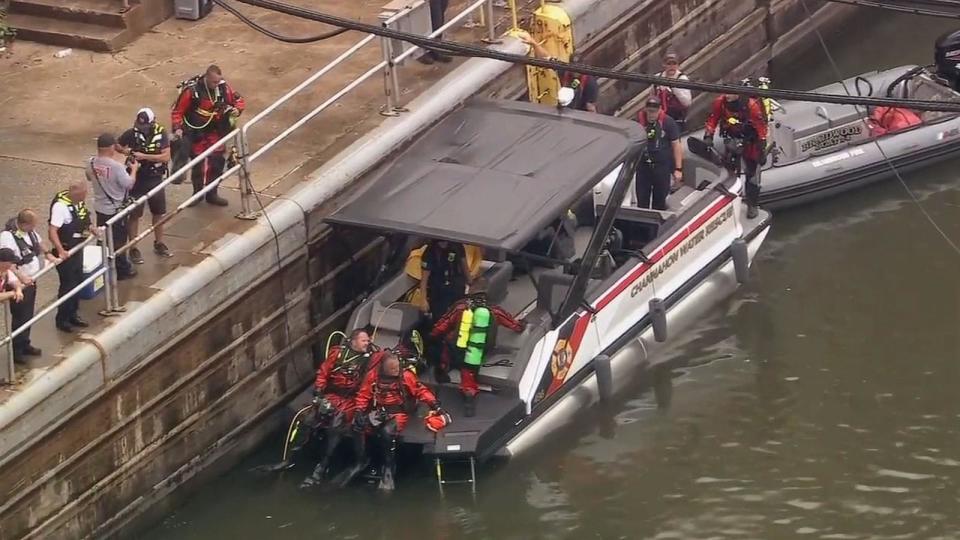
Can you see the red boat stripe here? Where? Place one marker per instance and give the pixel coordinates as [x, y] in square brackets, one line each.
[671, 245]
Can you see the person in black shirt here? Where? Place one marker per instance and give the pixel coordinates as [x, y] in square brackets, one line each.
[662, 159]
[444, 276]
[149, 144]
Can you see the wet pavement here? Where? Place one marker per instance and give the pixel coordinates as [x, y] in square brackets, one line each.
[819, 402]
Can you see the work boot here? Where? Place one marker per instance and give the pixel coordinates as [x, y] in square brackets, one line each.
[426, 59]
[131, 273]
[752, 198]
[752, 211]
[441, 57]
[469, 405]
[216, 200]
[135, 256]
[64, 326]
[78, 322]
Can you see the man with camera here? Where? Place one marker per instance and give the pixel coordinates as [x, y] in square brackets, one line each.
[743, 126]
[107, 172]
[149, 145]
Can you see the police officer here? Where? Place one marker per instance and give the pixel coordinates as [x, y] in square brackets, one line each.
[438, 9]
[444, 276]
[662, 158]
[743, 122]
[69, 225]
[21, 238]
[148, 143]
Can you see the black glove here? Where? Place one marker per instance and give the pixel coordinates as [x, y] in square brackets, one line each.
[708, 140]
[317, 392]
[359, 421]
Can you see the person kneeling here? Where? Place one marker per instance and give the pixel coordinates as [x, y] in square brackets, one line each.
[386, 400]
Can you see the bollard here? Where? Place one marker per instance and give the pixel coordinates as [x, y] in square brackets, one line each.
[604, 372]
[741, 260]
[658, 318]
[113, 295]
[246, 185]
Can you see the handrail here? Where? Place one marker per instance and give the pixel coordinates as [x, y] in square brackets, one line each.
[105, 229]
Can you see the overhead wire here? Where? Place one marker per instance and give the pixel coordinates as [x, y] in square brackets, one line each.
[472, 51]
[279, 37]
[874, 4]
[886, 159]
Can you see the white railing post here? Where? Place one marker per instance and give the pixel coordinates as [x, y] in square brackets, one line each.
[7, 370]
[110, 262]
[491, 24]
[390, 108]
[246, 185]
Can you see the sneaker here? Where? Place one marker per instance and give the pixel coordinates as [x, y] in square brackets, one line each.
[135, 256]
[161, 249]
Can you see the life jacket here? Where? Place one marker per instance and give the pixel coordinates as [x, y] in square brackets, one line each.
[475, 321]
[27, 251]
[391, 395]
[669, 103]
[348, 372]
[736, 122]
[577, 83]
[654, 136]
[71, 234]
[886, 120]
[204, 103]
[149, 143]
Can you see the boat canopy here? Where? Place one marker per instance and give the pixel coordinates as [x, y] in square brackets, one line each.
[492, 174]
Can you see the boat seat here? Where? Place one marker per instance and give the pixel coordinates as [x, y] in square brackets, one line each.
[552, 289]
[498, 277]
[393, 321]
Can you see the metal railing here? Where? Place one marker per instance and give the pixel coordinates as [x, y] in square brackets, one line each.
[244, 158]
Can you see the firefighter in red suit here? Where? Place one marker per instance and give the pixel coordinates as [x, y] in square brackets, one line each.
[448, 329]
[387, 398]
[743, 126]
[205, 111]
[337, 384]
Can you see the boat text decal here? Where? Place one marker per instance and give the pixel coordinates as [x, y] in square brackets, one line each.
[692, 241]
[948, 134]
[832, 138]
[837, 157]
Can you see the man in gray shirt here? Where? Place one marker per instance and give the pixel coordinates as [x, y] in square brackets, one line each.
[111, 183]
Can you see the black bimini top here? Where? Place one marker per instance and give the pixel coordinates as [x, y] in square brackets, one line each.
[492, 174]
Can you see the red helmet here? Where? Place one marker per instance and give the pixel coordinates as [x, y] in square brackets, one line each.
[437, 420]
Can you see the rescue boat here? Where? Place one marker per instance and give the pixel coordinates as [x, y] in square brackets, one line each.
[495, 174]
[819, 150]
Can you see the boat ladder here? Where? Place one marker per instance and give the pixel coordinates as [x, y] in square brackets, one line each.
[442, 480]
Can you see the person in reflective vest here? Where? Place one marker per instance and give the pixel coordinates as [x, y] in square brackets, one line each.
[464, 330]
[742, 122]
[69, 226]
[147, 142]
[387, 398]
[206, 111]
[337, 383]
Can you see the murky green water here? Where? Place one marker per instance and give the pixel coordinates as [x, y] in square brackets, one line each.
[820, 402]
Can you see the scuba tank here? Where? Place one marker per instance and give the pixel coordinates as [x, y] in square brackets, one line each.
[466, 320]
[477, 342]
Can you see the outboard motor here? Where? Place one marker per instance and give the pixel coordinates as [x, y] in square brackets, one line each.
[947, 58]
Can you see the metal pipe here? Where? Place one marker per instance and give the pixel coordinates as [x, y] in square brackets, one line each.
[45, 311]
[387, 75]
[246, 186]
[310, 80]
[449, 24]
[9, 371]
[513, 16]
[104, 256]
[491, 23]
[309, 116]
[77, 248]
[182, 171]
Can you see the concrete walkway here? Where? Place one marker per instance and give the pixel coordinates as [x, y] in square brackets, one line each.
[53, 109]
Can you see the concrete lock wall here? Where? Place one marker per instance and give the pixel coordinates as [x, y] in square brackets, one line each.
[193, 378]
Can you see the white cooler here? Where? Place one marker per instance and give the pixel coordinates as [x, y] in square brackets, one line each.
[92, 261]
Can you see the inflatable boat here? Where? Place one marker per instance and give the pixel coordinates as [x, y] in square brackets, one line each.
[496, 175]
[818, 149]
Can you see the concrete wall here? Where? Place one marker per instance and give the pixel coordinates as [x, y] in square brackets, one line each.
[191, 379]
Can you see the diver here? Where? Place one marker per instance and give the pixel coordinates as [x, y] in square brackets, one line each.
[387, 398]
[464, 329]
[743, 125]
[337, 384]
